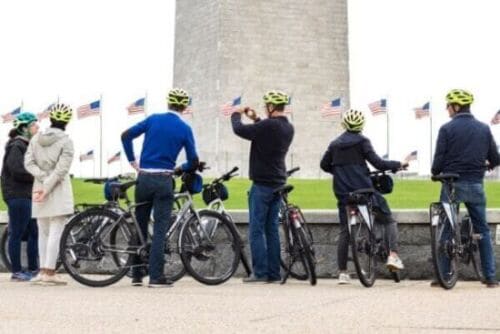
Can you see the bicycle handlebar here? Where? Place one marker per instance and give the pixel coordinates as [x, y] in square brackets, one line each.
[291, 171]
[101, 180]
[227, 176]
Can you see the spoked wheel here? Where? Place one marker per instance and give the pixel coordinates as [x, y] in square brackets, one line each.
[444, 257]
[307, 254]
[363, 252]
[4, 250]
[470, 241]
[297, 269]
[87, 251]
[209, 248]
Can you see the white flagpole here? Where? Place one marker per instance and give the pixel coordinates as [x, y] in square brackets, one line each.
[145, 104]
[100, 135]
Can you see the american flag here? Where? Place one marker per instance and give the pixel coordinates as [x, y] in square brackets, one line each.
[496, 118]
[45, 113]
[231, 106]
[423, 111]
[189, 109]
[412, 156]
[378, 107]
[9, 117]
[288, 106]
[137, 107]
[87, 156]
[332, 108]
[115, 157]
[90, 109]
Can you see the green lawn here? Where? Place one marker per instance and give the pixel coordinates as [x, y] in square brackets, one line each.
[310, 194]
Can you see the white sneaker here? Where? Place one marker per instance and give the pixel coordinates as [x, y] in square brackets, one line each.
[344, 278]
[53, 280]
[394, 263]
[37, 279]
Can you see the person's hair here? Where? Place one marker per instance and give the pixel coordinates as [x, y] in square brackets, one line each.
[13, 133]
[175, 107]
[463, 109]
[58, 124]
[279, 107]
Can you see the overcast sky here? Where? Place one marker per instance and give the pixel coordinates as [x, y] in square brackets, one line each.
[409, 52]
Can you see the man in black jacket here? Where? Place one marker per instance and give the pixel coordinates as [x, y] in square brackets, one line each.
[17, 186]
[345, 159]
[270, 139]
[465, 146]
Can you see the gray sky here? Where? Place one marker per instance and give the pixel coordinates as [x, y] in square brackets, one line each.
[409, 52]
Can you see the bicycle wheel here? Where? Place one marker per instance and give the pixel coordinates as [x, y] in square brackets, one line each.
[470, 240]
[209, 248]
[87, 250]
[307, 254]
[444, 258]
[363, 254]
[4, 251]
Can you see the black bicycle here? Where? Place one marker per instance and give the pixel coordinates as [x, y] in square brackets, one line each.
[98, 245]
[297, 252]
[369, 244]
[452, 240]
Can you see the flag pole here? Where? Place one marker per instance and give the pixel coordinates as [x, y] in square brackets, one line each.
[145, 104]
[387, 127]
[430, 128]
[100, 136]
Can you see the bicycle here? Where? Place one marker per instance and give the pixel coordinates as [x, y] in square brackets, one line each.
[451, 239]
[368, 241]
[201, 246]
[214, 194]
[297, 253]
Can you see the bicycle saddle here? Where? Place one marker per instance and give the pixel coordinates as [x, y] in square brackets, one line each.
[365, 191]
[284, 189]
[445, 177]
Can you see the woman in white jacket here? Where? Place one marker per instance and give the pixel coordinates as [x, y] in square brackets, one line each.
[48, 159]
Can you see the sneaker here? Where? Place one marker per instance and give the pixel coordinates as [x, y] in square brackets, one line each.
[394, 263]
[160, 283]
[491, 283]
[136, 281]
[20, 277]
[344, 278]
[37, 279]
[52, 280]
[254, 279]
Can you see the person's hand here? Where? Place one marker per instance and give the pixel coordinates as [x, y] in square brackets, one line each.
[404, 164]
[250, 113]
[134, 166]
[38, 196]
[178, 171]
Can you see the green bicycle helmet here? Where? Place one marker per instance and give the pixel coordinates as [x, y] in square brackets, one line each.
[353, 120]
[25, 118]
[275, 97]
[178, 97]
[60, 112]
[460, 97]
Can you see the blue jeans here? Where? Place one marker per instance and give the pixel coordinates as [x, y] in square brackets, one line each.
[263, 231]
[22, 226]
[157, 191]
[472, 195]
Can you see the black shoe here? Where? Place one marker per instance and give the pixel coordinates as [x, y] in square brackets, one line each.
[160, 283]
[491, 283]
[136, 281]
[254, 279]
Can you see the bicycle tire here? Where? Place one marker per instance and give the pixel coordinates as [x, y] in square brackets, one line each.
[307, 255]
[472, 247]
[360, 246]
[243, 257]
[441, 251]
[88, 232]
[4, 251]
[194, 248]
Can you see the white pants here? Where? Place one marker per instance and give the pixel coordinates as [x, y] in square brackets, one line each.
[49, 235]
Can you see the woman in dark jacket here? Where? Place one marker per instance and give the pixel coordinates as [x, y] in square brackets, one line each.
[17, 186]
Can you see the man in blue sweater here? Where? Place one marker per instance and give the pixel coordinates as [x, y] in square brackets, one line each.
[165, 135]
[463, 146]
[270, 140]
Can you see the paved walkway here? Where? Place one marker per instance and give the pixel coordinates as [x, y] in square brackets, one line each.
[190, 307]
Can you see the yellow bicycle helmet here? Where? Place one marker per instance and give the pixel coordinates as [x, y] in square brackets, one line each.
[460, 97]
[60, 112]
[178, 97]
[275, 97]
[353, 120]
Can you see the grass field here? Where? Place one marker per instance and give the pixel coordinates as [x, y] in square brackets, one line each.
[310, 194]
